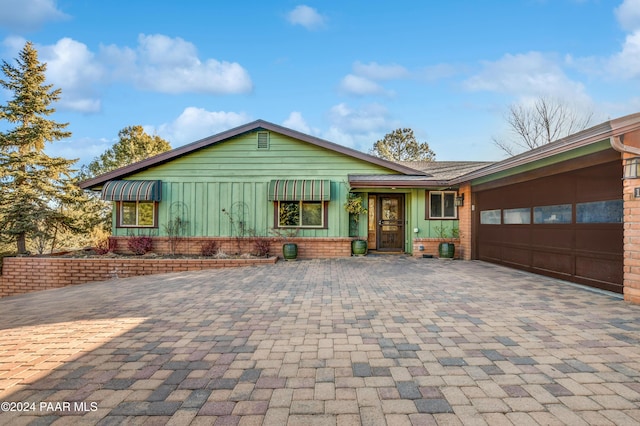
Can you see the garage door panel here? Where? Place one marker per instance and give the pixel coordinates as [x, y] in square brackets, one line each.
[520, 256]
[557, 236]
[607, 239]
[490, 252]
[552, 261]
[599, 269]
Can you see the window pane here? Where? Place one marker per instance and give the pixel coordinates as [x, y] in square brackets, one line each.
[552, 214]
[517, 216]
[599, 212]
[311, 214]
[128, 214]
[435, 203]
[449, 204]
[490, 217]
[145, 213]
[289, 213]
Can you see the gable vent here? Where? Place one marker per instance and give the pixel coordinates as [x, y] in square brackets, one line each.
[263, 140]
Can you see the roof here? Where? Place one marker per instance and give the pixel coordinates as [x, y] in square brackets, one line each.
[446, 169]
[165, 157]
[419, 174]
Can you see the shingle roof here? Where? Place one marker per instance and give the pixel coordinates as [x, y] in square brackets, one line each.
[443, 170]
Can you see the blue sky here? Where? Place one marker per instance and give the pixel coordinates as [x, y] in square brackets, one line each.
[345, 71]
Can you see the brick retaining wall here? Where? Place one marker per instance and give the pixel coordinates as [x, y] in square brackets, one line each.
[28, 274]
[308, 247]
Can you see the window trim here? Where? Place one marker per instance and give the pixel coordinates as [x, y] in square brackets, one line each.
[443, 217]
[120, 205]
[276, 215]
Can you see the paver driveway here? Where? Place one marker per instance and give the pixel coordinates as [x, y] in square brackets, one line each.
[375, 340]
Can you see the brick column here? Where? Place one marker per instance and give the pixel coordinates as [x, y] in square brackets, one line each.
[631, 240]
[464, 218]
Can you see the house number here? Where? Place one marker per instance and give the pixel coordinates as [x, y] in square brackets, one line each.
[636, 192]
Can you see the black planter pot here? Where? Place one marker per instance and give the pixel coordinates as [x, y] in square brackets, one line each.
[359, 247]
[446, 250]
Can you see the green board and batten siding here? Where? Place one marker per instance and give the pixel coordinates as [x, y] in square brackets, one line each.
[234, 175]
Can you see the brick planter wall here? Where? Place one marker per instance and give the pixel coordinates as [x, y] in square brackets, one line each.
[308, 248]
[27, 274]
[431, 247]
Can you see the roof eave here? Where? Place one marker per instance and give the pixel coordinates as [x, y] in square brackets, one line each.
[366, 184]
[586, 137]
[258, 124]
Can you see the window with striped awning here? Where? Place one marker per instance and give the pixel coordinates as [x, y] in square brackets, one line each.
[132, 190]
[299, 190]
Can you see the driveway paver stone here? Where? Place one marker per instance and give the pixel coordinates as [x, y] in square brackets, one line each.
[378, 340]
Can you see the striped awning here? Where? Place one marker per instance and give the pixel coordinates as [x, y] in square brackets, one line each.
[299, 190]
[132, 190]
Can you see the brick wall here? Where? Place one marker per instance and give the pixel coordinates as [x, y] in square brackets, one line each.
[308, 248]
[28, 274]
[464, 223]
[631, 240]
[431, 247]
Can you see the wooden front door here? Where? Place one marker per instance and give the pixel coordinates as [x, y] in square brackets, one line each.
[390, 229]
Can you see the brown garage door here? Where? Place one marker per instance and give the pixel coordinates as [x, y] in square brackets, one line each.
[567, 225]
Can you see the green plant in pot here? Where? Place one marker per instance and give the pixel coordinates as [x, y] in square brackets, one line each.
[354, 206]
[446, 248]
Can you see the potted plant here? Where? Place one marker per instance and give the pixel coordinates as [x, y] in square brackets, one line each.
[446, 248]
[289, 248]
[354, 207]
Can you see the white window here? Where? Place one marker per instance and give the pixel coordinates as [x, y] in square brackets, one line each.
[442, 205]
[137, 214]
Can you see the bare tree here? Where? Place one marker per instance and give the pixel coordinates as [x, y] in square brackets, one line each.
[545, 121]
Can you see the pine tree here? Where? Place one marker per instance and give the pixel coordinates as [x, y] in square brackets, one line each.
[401, 145]
[36, 190]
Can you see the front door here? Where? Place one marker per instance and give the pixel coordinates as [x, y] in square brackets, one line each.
[390, 230]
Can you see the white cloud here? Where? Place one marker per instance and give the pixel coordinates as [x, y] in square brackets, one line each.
[295, 121]
[628, 15]
[159, 63]
[357, 85]
[358, 128]
[375, 71]
[171, 65]
[27, 15]
[530, 74]
[365, 78]
[307, 17]
[73, 68]
[626, 63]
[197, 123]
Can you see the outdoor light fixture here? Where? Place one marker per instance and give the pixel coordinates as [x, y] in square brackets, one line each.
[632, 168]
[459, 200]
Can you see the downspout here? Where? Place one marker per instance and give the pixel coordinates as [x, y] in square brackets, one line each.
[618, 145]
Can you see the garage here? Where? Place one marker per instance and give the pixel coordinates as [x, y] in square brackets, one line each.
[563, 220]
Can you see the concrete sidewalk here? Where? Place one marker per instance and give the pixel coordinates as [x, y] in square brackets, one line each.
[377, 340]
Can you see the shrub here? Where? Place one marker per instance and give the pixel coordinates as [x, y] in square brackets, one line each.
[140, 244]
[209, 248]
[261, 247]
